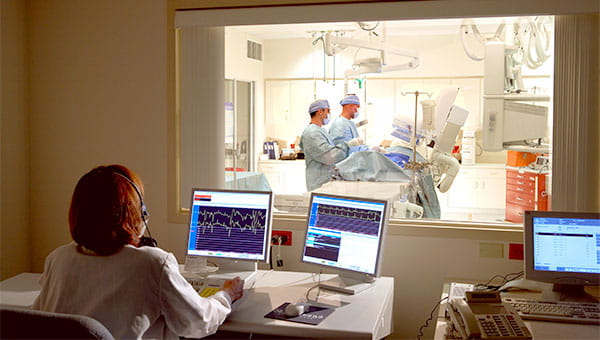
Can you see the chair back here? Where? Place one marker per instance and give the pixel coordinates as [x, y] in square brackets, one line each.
[21, 323]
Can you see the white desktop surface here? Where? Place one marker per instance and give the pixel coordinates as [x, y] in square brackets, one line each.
[540, 330]
[366, 315]
[20, 290]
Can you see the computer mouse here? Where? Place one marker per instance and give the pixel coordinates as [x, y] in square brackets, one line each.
[521, 284]
[295, 309]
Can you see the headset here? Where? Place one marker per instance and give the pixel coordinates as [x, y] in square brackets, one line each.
[144, 240]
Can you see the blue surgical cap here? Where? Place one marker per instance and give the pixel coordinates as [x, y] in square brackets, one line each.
[318, 104]
[350, 99]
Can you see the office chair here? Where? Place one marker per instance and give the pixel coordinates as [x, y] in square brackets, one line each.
[20, 323]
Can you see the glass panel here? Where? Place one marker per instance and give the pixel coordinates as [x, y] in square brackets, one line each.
[242, 124]
[479, 191]
[470, 180]
[238, 138]
[229, 123]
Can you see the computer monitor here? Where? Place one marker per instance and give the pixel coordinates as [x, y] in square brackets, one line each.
[563, 248]
[231, 227]
[346, 234]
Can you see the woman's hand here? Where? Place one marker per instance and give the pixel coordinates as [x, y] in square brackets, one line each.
[235, 288]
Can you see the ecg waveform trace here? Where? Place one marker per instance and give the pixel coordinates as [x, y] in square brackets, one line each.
[229, 229]
[354, 220]
[230, 218]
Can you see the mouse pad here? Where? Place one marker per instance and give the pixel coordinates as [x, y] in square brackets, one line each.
[313, 317]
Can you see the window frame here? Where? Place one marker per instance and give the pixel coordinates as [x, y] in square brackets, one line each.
[325, 12]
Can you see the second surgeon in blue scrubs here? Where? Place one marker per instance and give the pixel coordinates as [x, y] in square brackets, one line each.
[320, 151]
[342, 128]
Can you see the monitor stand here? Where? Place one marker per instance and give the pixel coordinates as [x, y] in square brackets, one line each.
[571, 292]
[348, 284]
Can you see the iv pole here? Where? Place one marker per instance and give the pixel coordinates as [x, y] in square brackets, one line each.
[413, 164]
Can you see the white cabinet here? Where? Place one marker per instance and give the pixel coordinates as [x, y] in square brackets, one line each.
[286, 108]
[476, 188]
[285, 177]
[277, 106]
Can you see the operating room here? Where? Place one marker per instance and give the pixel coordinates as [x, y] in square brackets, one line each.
[419, 61]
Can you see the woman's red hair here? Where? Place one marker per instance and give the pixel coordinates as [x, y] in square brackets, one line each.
[105, 212]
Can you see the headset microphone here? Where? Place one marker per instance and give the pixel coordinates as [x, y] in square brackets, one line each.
[144, 240]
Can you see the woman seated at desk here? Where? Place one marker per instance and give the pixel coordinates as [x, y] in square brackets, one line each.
[135, 291]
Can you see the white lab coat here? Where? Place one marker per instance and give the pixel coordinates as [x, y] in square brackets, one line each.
[136, 293]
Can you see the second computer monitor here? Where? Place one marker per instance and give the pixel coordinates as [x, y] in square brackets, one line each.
[230, 224]
[563, 248]
[346, 233]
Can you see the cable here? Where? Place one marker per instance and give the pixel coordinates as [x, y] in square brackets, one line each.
[463, 33]
[324, 55]
[318, 285]
[505, 279]
[426, 324]
[537, 33]
[262, 277]
[363, 26]
[279, 260]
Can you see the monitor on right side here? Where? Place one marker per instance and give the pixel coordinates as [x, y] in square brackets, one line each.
[563, 248]
[346, 235]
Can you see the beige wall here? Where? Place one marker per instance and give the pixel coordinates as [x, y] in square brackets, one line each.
[14, 199]
[97, 94]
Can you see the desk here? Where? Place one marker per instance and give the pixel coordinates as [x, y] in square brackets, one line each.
[367, 315]
[539, 329]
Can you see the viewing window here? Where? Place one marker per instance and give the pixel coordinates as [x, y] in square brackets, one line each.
[479, 90]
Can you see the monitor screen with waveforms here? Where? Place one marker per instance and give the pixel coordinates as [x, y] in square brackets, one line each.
[345, 233]
[562, 248]
[230, 224]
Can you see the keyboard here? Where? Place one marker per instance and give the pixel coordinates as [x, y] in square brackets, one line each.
[205, 287]
[208, 291]
[197, 283]
[559, 311]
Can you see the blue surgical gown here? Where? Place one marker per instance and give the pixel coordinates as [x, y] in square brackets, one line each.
[320, 154]
[343, 130]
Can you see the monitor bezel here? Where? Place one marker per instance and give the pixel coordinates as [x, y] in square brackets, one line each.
[243, 191]
[554, 277]
[382, 237]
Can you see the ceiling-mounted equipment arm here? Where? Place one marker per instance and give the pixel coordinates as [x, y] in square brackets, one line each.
[334, 44]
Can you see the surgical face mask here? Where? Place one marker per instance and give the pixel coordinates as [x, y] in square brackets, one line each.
[356, 114]
[326, 120]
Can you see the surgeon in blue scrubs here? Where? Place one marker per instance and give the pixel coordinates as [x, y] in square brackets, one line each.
[343, 129]
[320, 152]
